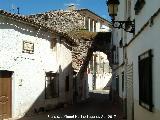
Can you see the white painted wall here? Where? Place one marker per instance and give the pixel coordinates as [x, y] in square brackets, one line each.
[65, 62]
[90, 81]
[147, 11]
[104, 28]
[98, 26]
[148, 39]
[102, 80]
[31, 68]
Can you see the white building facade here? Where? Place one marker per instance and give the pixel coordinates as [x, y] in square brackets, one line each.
[35, 67]
[93, 22]
[137, 59]
[99, 71]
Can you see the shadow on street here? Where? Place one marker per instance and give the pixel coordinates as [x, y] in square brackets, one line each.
[97, 106]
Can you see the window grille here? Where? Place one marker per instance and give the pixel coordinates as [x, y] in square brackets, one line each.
[67, 83]
[145, 80]
[51, 85]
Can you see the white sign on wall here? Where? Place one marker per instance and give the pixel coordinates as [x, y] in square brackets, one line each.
[28, 47]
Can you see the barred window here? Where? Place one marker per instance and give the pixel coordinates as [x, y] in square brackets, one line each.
[117, 84]
[67, 83]
[145, 80]
[91, 25]
[51, 85]
[95, 26]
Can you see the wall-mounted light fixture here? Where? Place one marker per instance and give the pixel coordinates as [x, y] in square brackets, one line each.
[128, 26]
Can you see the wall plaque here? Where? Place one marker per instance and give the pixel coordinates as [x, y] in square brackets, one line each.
[28, 47]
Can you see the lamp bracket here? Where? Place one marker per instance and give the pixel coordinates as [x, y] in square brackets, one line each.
[128, 26]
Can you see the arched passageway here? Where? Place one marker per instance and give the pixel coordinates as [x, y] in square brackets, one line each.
[98, 104]
[87, 44]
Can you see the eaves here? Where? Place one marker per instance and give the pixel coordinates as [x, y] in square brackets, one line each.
[28, 21]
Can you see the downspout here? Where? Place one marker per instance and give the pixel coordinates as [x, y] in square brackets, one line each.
[125, 64]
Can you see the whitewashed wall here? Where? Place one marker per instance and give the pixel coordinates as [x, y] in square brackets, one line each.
[99, 26]
[121, 36]
[90, 81]
[147, 11]
[64, 59]
[28, 80]
[101, 78]
[148, 39]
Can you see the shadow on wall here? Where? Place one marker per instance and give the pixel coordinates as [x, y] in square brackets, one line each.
[48, 101]
[52, 98]
[113, 87]
[108, 85]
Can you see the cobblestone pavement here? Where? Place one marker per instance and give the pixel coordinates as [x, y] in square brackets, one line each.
[96, 107]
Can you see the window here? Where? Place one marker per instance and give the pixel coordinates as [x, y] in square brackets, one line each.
[138, 6]
[113, 49]
[117, 84]
[116, 56]
[91, 26]
[121, 43]
[145, 80]
[95, 26]
[51, 85]
[67, 83]
[86, 23]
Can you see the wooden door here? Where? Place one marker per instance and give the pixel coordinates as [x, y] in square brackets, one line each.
[5, 94]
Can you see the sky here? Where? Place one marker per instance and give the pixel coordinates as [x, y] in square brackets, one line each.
[39, 6]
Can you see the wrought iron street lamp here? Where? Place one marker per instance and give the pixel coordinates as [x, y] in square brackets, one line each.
[128, 26]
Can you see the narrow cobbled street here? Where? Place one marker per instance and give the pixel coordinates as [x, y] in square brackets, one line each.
[97, 106]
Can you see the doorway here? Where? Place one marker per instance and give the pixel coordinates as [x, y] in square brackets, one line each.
[5, 94]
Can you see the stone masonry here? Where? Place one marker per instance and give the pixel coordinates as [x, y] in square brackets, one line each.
[62, 21]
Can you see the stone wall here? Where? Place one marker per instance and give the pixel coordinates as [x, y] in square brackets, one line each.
[72, 23]
[79, 54]
[60, 20]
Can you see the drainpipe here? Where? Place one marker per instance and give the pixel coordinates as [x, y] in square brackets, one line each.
[125, 73]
